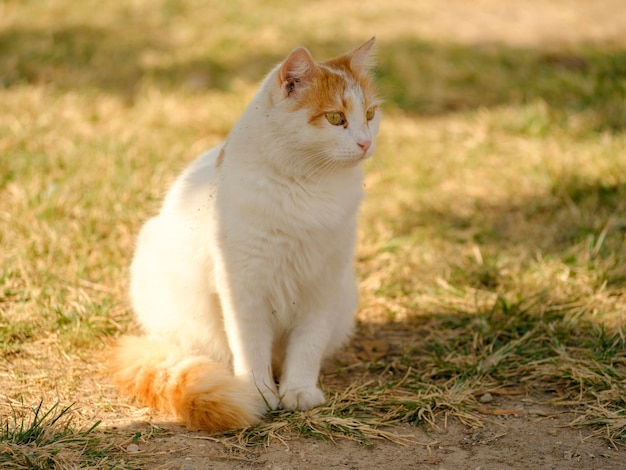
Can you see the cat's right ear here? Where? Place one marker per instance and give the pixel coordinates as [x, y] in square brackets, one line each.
[296, 70]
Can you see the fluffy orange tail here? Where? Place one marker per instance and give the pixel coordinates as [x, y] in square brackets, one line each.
[202, 394]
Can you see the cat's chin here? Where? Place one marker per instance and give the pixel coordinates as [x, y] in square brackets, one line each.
[351, 160]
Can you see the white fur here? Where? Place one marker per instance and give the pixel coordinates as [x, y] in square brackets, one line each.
[254, 255]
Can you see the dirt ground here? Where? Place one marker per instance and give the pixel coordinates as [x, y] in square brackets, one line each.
[533, 436]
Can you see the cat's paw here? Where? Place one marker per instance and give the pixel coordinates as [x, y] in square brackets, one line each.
[302, 398]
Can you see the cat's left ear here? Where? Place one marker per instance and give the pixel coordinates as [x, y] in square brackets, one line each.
[298, 68]
[363, 57]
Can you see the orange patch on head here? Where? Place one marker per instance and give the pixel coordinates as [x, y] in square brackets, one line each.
[327, 88]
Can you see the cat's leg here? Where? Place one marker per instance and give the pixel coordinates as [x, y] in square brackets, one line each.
[305, 350]
[248, 328]
[317, 333]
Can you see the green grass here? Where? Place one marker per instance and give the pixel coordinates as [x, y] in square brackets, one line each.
[491, 246]
[42, 438]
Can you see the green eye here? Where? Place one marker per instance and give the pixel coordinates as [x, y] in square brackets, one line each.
[369, 114]
[336, 119]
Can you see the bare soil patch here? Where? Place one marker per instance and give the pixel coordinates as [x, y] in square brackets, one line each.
[535, 436]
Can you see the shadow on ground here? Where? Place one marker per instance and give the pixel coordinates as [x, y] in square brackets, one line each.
[576, 213]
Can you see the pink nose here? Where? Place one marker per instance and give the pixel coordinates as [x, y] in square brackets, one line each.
[365, 144]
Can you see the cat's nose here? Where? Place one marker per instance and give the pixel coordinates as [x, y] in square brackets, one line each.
[364, 144]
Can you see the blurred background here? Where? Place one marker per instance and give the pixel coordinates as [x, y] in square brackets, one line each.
[435, 57]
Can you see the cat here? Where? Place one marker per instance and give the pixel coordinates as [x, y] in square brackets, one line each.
[245, 279]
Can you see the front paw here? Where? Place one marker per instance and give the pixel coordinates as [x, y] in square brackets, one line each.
[302, 398]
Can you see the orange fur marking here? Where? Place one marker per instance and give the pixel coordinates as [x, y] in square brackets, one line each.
[326, 90]
[200, 393]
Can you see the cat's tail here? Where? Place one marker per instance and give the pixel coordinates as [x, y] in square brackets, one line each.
[201, 393]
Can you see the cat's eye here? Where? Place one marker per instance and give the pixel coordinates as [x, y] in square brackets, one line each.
[369, 114]
[336, 119]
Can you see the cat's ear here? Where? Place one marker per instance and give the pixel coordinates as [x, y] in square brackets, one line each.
[363, 57]
[296, 70]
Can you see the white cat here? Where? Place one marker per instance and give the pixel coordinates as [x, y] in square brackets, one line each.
[245, 277]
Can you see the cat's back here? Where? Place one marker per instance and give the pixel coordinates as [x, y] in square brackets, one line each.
[194, 191]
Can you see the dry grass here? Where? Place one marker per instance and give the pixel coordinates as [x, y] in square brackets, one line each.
[46, 438]
[491, 252]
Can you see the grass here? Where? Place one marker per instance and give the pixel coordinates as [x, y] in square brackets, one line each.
[491, 247]
[45, 439]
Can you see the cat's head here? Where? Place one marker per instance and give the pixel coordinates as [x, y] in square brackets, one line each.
[331, 110]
